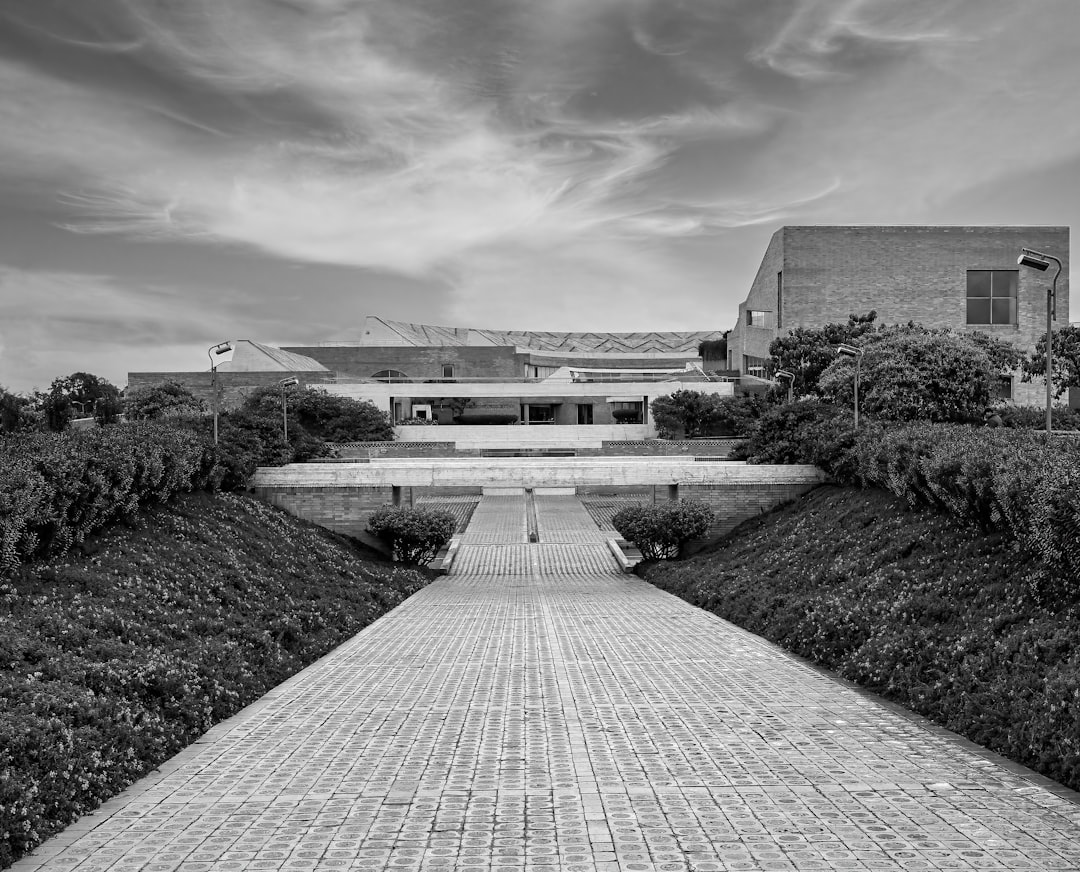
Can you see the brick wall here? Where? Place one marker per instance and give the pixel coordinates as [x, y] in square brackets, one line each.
[734, 504]
[754, 341]
[915, 274]
[233, 387]
[341, 509]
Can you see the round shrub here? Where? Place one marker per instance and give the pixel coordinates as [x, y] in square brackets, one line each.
[414, 535]
[661, 530]
[626, 416]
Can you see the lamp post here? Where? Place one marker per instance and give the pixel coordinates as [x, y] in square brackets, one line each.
[790, 378]
[211, 352]
[856, 352]
[1037, 260]
[286, 383]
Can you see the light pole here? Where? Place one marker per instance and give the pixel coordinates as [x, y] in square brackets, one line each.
[856, 352]
[790, 378]
[211, 352]
[286, 383]
[1041, 262]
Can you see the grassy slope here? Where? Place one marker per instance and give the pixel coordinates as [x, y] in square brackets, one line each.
[910, 604]
[113, 660]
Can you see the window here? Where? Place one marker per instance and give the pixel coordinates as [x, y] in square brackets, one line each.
[755, 318]
[584, 413]
[448, 370]
[779, 299]
[627, 412]
[760, 367]
[390, 375]
[1003, 390]
[991, 296]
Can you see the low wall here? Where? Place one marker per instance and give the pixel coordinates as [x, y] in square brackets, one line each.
[609, 448]
[342, 496]
[520, 436]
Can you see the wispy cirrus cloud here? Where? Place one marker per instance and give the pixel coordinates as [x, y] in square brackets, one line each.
[488, 147]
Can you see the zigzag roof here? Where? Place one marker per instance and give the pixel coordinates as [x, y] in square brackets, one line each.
[381, 330]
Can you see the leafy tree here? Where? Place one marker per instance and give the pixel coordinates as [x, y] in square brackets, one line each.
[81, 390]
[17, 412]
[911, 374]
[153, 402]
[688, 414]
[1066, 360]
[325, 416]
[807, 352]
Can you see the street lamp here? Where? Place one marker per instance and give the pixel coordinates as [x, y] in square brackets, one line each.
[856, 352]
[286, 383]
[790, 377]
[211, 352]
[1037, 260]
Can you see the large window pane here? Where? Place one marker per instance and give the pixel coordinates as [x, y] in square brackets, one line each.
[1005, 283]
[978, 283]
[978, 311]
[1003, 309]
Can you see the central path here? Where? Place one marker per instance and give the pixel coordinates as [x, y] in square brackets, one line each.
[554, 721]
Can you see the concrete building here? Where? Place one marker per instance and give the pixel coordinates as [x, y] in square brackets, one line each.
[964, 278]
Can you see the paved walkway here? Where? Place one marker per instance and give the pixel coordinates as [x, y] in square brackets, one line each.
[546, 721]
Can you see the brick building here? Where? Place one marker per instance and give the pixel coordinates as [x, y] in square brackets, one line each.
[964, 278]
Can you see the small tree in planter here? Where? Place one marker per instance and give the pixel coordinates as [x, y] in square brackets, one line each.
[414, 535]
[626, 416]
[661, 530]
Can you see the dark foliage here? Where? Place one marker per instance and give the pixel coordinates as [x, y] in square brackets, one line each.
[414, 534]
[661, 530]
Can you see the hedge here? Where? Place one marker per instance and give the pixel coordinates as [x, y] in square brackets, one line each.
[661, 530]
[57, 488]
[1002, 480]
[415, 535]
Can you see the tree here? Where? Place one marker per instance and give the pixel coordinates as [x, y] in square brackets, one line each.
[341, 419]
[688, 414]
[82, 391]
[808, 352]
[166, 400]
[1066, 360]
[17, 412]
[909, 374]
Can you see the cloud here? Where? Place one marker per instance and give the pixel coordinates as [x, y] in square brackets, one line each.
[60, 323]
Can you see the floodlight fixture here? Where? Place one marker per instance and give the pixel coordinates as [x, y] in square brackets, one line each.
[1041, 261]
[286, 383]
[846, 350]
[790, 377]
[211, 352]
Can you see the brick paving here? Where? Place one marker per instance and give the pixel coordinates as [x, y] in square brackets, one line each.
[541, 721]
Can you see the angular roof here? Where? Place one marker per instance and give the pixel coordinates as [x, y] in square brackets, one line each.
[251, 356]
[382, 331]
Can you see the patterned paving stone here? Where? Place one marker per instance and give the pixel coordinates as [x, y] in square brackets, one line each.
[553, 721]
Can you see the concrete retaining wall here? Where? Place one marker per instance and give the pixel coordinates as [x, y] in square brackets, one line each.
[342, 496]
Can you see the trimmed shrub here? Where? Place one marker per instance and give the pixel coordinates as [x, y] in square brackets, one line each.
[57, 488]
[661, 530]
[414, 535]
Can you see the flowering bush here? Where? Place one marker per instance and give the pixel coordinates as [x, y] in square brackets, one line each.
[917, 607]
[661, 530]
[112, 662]
[414, 534]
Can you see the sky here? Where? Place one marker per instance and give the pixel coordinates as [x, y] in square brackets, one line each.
[175, 174]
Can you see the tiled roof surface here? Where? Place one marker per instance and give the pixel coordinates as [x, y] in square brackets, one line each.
[645, 342]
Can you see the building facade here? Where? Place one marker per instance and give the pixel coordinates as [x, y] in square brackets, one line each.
[963, 278]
